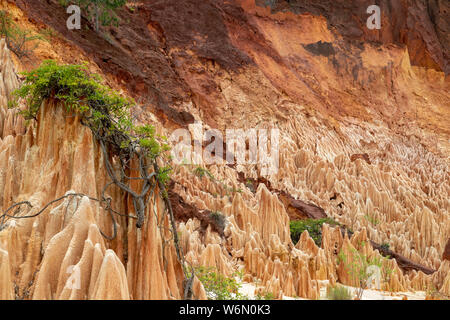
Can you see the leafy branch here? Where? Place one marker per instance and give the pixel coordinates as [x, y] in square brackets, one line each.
[136, 149]
[17, 39]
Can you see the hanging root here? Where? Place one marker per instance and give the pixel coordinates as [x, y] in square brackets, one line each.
[5, 215]
[188, 293]
[107, 115]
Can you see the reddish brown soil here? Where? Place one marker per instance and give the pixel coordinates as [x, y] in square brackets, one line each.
[296, 209]
[423, 25]
[446, 255]
[184, 211]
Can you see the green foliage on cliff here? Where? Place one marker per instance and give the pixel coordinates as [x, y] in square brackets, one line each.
[19, 40]
[107, 114]
[201, 172]
[339, 292]
[104, 110]
[314, 228]
[219, 219]
[218, 286]
[361, 268]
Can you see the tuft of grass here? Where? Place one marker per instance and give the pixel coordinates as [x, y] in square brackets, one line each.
[374, 221]
[265, 296]
[201, 172]
[338, 293]
[218, 286]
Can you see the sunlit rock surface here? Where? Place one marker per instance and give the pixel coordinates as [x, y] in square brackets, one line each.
[334, 93]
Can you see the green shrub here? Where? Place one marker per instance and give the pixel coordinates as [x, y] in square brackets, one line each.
[385, 246]
[314, 228]
[374, 221]
[359, 271]
[49, 34]
[218, 286]
[219, 219]
[107, 114]
[339, 293]
[102, 109]
[249, 184]
[229, 191]
[201, 172]
[18, 40]
[164, 175]
[72, 85]
[265, 296]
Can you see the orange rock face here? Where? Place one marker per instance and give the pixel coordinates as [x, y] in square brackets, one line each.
[363, 116]
[45, 162]
[421, 25]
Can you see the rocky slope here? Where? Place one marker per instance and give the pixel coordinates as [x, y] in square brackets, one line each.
[364, 128]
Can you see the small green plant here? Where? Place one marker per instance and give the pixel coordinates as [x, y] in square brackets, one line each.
[385, 246]
[20, 41]
[12, 104]
[201, 172]
[339, 292]
[314, 228]
[432, 293]
[49, 34]
[387, 273]
[374, 221]
[5, 23]
[363, 269]
[249, 184]
[108, 116]
[102, 109]
[164, 172]
[229, 190]
[218, 286]
[219, 219]
[265, 296]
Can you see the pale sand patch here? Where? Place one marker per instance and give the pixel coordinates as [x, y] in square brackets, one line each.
[248, 289]
[370, 294]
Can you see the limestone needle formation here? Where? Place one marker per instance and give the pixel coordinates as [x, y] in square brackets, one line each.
[224, 150]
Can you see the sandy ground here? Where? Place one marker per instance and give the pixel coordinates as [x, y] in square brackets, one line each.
[248, 289]
[369, 294]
